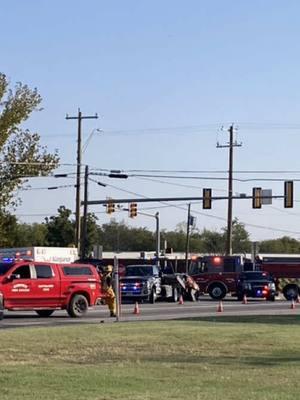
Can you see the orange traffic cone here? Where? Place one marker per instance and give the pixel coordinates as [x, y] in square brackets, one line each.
[245, 301]
[293, 305]
[136, 308]
[180, 300]
[220, 307]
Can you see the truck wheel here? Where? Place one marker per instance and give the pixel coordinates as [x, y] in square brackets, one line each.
[175, 295]
[217, 291]
[291, 292]
[78, 306]
[44, 313]
[271, 298]
[153, 296]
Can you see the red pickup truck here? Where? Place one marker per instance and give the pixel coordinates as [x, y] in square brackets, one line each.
[46, 287]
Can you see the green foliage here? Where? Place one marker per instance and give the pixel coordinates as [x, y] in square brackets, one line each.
[282, 245]
[21, 155]
[28, 235]
[60, 229]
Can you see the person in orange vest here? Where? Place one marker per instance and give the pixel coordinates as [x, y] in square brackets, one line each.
[110, 297]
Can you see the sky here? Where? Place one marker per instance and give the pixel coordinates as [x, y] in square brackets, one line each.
[167, 79]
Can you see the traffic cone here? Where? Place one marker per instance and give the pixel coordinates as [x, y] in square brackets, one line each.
[220, 307]
[245, 301]
[180, 300]
[136, 308]
[293, 305]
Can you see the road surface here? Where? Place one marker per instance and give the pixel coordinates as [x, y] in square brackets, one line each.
[151, 312]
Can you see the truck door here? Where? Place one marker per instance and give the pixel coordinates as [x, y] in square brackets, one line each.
[46, 286]
[17, 288]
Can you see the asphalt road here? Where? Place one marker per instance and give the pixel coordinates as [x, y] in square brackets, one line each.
[152, 312]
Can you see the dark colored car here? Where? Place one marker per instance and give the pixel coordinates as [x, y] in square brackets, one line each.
[257, 284]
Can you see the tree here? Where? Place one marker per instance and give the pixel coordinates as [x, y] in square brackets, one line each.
[21, 154]
[60, 229]
[240, 237]
[213, 242]
[27, 235]
[282, 245]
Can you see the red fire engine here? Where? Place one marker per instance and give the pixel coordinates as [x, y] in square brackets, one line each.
[217, 275]
[285, 271]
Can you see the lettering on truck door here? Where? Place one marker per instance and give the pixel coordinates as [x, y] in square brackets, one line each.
[18, 290]
[46, 284]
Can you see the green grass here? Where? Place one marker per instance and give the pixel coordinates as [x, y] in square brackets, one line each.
[208, 359]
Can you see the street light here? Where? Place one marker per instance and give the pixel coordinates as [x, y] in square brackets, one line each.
[157, 241]
[84, 147]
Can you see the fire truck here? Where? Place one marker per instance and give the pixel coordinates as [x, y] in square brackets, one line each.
[285, 271]
[218, 275]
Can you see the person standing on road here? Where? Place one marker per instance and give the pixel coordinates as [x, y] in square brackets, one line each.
[110, 297]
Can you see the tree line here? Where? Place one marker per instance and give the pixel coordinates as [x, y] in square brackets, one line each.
[116, 236]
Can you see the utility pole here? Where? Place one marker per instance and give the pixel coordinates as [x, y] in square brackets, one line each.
[79, 118]
[157, 239]
[231, 144]
[83, 249]
[187, 242]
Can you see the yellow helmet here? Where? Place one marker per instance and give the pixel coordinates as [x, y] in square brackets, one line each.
[109, 268]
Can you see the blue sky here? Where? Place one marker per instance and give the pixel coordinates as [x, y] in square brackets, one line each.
[164, 77]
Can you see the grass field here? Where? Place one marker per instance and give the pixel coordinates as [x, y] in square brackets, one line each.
[208, 359]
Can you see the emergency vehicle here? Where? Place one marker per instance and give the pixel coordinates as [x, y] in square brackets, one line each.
[218, 275]
[61, 255]
[45, 287]
[285, 271]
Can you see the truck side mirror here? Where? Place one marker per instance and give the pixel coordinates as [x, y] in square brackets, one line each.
[12, 277]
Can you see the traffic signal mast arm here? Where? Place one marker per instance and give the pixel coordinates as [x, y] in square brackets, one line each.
[159, 199]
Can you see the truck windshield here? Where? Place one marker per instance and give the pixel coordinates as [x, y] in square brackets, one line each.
[4, 267]
[139, 271]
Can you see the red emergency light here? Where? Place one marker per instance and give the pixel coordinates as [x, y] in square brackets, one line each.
[216, 261]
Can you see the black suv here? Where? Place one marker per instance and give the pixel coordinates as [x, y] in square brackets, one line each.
[258, 284]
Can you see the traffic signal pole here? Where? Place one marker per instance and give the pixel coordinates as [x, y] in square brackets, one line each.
[187, 242]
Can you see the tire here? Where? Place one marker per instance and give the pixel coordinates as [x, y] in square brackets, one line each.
[153, 296]
[271, 298]
[217, 291]
[78, 306]
[291, 292]
[44, 313]
[175, 295]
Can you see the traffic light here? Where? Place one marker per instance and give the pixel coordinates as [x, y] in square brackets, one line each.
[132, 210]
[256, 197]
[288, 194]
[206, 199]
[110, 207]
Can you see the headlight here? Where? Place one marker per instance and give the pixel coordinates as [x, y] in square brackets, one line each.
[272, 286]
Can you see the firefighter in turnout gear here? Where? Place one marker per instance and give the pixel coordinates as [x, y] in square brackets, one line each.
[110, 297]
